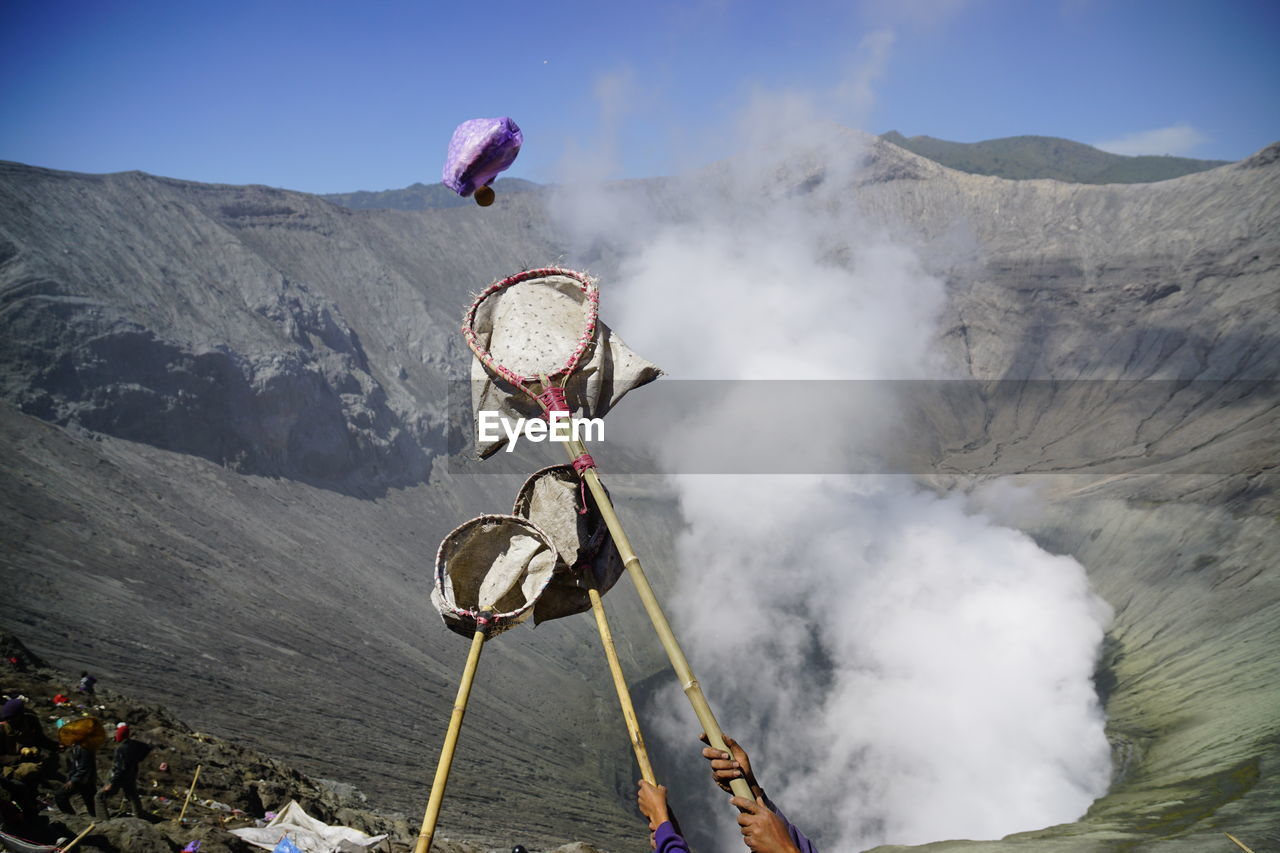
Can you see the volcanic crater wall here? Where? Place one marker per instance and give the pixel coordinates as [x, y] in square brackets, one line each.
[219, 321]
[224, 483]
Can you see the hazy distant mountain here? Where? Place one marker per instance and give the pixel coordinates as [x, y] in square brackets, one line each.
[1022, 157]
[1015, 157]
[224, 476]
[422, 196]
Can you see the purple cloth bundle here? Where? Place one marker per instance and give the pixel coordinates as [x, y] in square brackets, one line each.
[479, 150]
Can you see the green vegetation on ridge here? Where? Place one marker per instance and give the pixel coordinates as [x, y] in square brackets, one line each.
[1026, 157]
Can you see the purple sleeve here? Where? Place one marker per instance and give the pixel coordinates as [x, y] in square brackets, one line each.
[797, 837]
[668, 840]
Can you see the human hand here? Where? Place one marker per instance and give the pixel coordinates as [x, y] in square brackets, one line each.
[652, 800]
[727, 766]
[762, 830]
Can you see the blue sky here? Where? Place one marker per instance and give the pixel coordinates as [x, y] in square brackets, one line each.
[332, 96]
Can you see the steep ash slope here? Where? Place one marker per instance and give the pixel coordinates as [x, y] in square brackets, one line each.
[238, 505]
[237, 518]
[236, 787]
[208, 320]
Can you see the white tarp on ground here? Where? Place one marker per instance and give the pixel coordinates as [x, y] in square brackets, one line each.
[309, 834]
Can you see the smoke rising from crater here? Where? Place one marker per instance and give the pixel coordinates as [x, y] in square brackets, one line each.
[901, 666]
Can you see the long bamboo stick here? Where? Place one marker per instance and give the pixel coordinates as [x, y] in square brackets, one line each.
[191, 790]
[1238, 842]
[432, 813]
[692, 690]
[620, 685]
[79, 837]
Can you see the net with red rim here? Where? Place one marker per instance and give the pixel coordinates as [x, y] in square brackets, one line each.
[547, 356]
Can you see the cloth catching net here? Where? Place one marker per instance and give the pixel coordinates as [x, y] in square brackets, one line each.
[554, 499]
[543, 323]
[495, 563]
[540, 348]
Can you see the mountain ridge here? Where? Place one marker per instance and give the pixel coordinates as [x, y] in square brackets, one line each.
[1036, 157]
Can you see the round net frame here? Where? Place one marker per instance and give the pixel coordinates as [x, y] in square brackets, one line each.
[542, 358]
[490, 571]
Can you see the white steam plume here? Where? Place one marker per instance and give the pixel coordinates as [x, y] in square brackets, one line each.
[901, 667]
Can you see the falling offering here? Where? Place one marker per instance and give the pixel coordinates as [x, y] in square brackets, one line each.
[479, 150]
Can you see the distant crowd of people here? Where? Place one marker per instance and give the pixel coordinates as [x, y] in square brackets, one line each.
[29, 760]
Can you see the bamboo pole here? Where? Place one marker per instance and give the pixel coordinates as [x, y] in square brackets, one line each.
[190, 791]
[79, 837]
[1238, 842]
[692, 690]
[429, 818]
[620, 685]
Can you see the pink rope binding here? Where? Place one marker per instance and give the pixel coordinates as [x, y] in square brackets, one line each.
[552, 400]
[581, 464]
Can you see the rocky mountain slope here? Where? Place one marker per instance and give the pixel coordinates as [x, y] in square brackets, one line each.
[225, 477]
[236, 787]
[241, 505]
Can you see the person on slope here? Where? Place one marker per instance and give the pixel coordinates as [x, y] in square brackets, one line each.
[25, 750]
[26, 756]
[765, 829]
[82, 779]
[86, 683]
[663, 835]
[124, 772]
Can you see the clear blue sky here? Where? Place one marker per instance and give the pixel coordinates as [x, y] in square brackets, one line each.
[332, 96]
